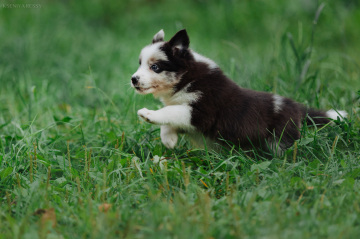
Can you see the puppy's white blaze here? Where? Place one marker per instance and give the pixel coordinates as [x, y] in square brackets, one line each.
[333, 114]
[278, 101]
[182, 97]
[144, 73]
[159, 36]
[201, 58]
[152, 51]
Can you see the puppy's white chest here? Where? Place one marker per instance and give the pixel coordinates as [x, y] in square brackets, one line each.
[181, 97]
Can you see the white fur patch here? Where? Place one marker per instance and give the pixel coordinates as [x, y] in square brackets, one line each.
[333, 114]
[176, 116]
[181, 97]
[278, 101]
[168, 136]
[159, 36]
[201, 58]
[154, 51]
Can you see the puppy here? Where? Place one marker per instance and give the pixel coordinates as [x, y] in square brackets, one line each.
[201, 101]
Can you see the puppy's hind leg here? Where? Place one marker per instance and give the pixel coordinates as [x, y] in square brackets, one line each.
[275, 148]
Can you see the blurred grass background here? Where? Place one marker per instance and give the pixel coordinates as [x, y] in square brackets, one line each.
[52, 48]
[65, 70]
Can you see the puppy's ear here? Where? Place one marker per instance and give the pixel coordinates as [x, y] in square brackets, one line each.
[158, 36]
[180, 40]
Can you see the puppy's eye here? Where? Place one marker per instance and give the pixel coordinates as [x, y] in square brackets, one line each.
[155, 68]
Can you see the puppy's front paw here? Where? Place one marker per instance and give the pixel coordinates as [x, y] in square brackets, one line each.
[168, 136]
[147, 115]
[169, 141]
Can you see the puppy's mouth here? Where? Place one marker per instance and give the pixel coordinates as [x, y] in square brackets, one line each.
[142, 89]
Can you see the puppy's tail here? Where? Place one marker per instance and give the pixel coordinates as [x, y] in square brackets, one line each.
[334, 114]
[321, 118]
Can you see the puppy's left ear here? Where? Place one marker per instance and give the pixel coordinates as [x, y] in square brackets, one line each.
[158, 36]
[180, 40]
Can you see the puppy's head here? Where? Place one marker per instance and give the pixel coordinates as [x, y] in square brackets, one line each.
[162, 64]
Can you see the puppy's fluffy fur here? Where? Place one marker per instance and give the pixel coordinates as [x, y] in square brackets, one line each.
[200, 100]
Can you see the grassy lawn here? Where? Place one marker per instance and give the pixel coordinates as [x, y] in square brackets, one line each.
[76, 162]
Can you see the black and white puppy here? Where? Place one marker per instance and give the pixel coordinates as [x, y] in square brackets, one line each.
[201, 101]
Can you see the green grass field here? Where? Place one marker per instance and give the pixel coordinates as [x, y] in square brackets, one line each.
[71, 143]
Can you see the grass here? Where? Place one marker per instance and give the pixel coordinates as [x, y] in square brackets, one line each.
[76, 162]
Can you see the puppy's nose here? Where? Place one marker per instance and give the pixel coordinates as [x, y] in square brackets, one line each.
[135, 80]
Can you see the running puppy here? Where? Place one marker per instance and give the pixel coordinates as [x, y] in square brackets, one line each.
[200, 100]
